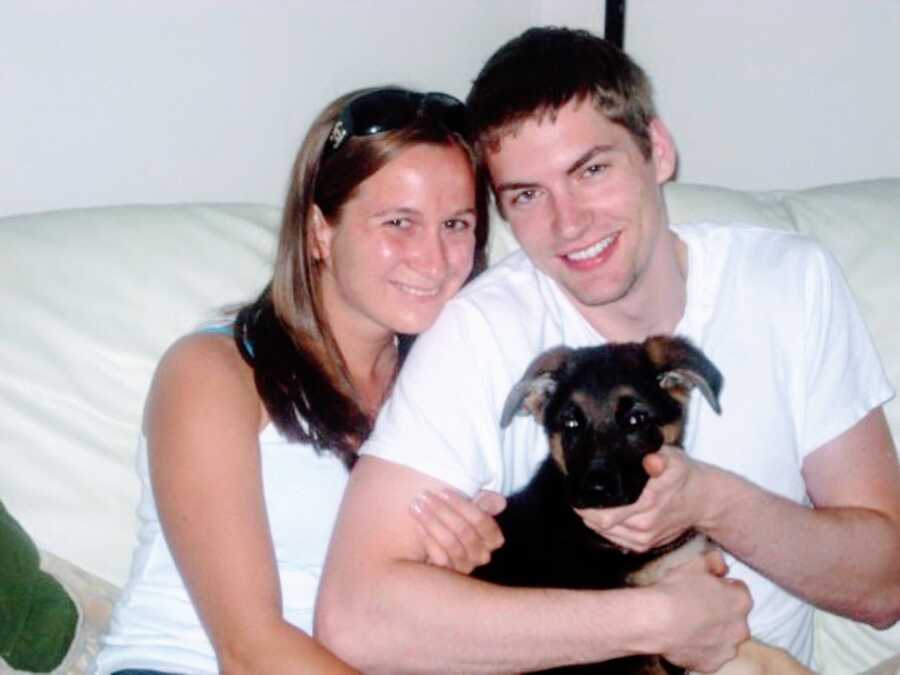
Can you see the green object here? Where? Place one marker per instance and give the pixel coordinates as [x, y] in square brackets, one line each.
[37, 617]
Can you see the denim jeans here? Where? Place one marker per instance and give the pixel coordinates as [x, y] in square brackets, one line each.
[134, 671]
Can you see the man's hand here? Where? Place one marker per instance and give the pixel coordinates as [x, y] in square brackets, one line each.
[457, 532]
[673, 501]
[708, 614]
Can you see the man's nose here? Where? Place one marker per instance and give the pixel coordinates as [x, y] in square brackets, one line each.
[570, 217]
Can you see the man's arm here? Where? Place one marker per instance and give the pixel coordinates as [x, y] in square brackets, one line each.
[384, 610]
[842, 555]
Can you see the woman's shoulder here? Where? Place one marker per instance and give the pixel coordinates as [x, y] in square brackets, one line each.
[203, 373]
[209, 353]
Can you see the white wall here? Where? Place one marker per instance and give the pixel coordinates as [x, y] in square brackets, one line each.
[774, 93]
[113, 101]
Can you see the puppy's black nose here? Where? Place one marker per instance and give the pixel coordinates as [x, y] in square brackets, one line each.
[601, 489]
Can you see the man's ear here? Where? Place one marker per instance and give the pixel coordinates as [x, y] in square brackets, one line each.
[319, 233]
[665, 156]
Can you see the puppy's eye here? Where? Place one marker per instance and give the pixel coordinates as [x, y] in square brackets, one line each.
[631, 414]
[636, 418]
[570, 418]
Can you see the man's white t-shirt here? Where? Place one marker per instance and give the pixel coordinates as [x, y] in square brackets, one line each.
[770, 308]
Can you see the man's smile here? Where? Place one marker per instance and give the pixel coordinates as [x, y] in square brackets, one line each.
[591, 252]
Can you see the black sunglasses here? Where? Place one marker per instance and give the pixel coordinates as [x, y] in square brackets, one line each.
[390, 109]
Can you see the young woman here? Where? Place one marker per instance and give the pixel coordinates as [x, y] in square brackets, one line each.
[250, 428]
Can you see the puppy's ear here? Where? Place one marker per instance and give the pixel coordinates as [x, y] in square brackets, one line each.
[537, 385]
[681, 367]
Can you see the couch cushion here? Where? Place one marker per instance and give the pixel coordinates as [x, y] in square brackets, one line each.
[90, 300]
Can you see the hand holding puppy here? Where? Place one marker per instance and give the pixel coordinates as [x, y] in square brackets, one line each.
[708, 612]
[674, 500]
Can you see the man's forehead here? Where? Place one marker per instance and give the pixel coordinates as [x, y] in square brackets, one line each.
[552, 127]
[493, 140]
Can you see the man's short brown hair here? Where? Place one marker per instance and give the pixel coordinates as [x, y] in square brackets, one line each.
[538, 72]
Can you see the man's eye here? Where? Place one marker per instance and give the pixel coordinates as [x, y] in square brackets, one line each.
[397, 222]
[457, 224]
[596, 169]
[524, 197]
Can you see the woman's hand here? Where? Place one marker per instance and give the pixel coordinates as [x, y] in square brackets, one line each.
[457, 532]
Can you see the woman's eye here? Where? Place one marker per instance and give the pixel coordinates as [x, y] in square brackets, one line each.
[397, 222]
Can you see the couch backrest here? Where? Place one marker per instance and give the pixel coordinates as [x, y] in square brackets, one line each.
[858, 222]
[91, 298]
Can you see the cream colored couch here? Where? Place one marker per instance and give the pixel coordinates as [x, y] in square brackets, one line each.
[89, 299]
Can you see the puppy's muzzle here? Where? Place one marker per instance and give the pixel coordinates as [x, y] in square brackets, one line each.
[608, 483]
[600, 489]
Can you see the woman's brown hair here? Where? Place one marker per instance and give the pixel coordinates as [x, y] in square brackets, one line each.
[300, 373]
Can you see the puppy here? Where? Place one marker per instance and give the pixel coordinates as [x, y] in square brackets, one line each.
[604, 409]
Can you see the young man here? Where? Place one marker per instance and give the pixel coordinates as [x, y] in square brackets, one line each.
[797, 480]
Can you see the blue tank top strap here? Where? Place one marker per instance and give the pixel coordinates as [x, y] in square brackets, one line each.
[225, 329]
[219, 329]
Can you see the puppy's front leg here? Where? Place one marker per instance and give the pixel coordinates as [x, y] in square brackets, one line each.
[755, 658]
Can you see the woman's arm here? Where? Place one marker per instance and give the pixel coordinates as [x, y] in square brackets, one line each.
[202, 422]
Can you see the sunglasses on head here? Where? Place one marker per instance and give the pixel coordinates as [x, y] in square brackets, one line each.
[391, 109]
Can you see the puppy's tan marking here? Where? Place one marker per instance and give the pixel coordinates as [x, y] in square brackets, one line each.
[556, 451]
[655, 570]
[662, 352]
[599, 409]
[672, 432]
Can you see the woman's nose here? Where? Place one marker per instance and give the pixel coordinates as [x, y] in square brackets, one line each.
[430, 252]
